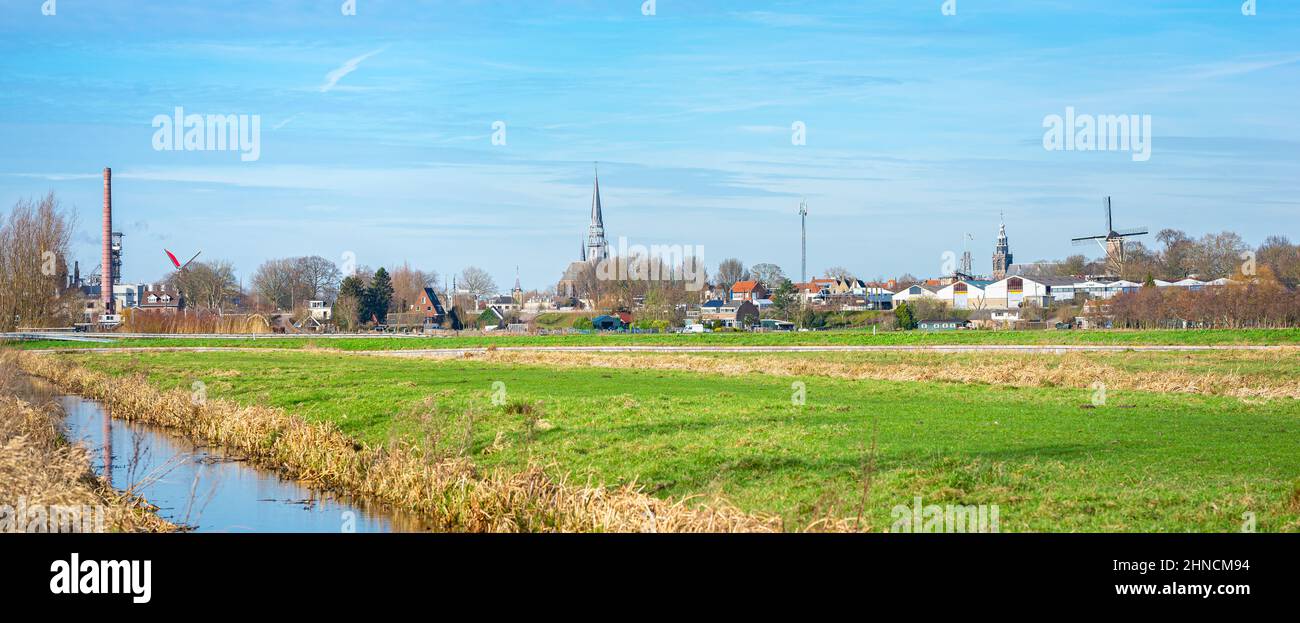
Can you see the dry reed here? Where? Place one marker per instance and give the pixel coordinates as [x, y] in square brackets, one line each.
[39, 469]
[192, 322]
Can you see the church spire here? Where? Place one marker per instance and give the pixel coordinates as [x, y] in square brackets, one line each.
[597, 219]
[1002, 258]
[597, 248]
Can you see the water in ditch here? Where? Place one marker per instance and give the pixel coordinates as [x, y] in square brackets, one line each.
[207, 489]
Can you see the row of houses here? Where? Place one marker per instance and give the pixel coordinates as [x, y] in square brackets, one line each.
[146, 296]
[845, 293]
[744, 301]
[1015, 292]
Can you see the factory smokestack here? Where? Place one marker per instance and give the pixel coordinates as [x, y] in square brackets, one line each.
[106, 273]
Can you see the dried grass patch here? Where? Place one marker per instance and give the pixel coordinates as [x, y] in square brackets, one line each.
[1076, 370]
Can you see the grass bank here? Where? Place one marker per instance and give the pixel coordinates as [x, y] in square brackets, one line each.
[1050, 456]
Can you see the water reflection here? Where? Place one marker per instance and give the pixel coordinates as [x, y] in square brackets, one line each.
[205, 488]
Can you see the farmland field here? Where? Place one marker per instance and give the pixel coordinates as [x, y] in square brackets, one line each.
[1148, 441]
[1196, 337]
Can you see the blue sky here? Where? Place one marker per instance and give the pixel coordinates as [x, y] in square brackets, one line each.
[376, 128]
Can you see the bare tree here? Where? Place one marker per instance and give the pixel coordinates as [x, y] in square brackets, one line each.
[477, 282]
[1282, 257]
[318, 277]
[770, 275]
[1219, 255]
[409, 283]
[275, 281]
[207, 285]
[34, 240]
[1176, 256]
[730, 271]
[291, 282]
[838, 272]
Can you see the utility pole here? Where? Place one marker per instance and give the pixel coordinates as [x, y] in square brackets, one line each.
[803, 257]
[803, 252]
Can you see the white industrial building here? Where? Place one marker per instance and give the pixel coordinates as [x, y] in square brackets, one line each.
[964, 294]
[916, 291]
[1013, 292]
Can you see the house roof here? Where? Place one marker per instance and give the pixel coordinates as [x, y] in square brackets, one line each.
[1048, 281]
[433, 299]
[744, 286]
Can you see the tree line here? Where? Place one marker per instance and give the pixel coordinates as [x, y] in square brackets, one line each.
[1258, 301]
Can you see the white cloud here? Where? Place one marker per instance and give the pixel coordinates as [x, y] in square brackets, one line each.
[332, 78]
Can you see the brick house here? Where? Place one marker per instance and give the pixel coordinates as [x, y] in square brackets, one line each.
[748, 291]
[430, 307]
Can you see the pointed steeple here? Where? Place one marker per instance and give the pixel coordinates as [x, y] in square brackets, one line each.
[597, 220]
[597, 248]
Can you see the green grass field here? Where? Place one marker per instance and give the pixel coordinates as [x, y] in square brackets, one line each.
[813, 338]
[1051, 461]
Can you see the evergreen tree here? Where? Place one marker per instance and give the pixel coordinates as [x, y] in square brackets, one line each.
[783, 300]
[903, 313]
[377, 297]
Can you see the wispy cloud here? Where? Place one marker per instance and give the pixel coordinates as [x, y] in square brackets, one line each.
[1237, 68]
[332, 78]
[284, 123]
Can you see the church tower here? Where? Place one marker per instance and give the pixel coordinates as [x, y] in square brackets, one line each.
[1001, 254]
[597, 247]
[517, 293]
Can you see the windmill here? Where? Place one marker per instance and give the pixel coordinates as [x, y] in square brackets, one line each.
[177, 263]
[1112, 242]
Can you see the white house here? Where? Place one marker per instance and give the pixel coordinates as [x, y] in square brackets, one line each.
[916, 291]
[319, 310]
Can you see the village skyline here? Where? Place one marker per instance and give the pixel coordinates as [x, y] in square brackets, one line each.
[711, 124]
